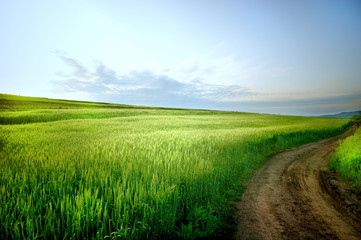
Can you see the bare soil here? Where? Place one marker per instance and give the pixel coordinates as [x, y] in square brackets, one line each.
[294, 196]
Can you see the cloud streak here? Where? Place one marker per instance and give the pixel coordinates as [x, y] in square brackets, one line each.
[150, 89]
[142, 87]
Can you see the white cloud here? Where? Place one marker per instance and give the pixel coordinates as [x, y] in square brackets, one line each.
[199, 84]
[142, 86]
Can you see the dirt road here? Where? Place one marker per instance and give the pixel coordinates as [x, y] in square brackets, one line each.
[287, 200]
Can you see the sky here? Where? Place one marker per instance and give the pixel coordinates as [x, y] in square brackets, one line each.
[279, 57]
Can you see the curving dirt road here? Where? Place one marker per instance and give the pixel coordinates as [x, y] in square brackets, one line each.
[287, 200]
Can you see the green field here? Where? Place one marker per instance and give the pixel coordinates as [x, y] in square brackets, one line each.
[347, 160]
[80, 170]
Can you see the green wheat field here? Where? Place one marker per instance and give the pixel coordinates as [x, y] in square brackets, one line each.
[81, 170]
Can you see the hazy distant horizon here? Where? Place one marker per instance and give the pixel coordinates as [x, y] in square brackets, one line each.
[311, 115]
[278, 57]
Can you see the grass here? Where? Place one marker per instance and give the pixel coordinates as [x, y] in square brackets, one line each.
[347, 160]
[132, 173]
[14, 102]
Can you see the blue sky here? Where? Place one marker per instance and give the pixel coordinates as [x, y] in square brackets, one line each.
[283, 57]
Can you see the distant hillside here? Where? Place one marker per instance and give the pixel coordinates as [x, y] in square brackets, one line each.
[343, 114]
